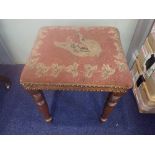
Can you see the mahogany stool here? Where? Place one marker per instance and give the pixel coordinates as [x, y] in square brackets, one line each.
[77, 58]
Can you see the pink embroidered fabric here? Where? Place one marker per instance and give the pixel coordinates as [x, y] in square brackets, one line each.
[77, 55]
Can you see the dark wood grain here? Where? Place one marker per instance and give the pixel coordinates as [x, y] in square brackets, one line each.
[111, 102]
[41, 104]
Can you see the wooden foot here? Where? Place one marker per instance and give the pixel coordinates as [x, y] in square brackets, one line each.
[111, 102]
[41, 104]
[4, 80]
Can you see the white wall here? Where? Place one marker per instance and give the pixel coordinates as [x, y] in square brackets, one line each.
[19, 35]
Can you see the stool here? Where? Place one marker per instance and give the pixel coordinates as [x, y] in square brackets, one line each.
[77, 58]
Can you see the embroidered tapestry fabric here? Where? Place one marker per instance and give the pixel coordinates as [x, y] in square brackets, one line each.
[77, 55]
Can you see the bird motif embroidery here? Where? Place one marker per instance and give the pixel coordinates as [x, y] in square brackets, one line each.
[85, 47]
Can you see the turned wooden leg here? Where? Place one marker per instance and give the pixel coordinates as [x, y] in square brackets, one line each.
[41, 104]
[5, 81]
[111, 102]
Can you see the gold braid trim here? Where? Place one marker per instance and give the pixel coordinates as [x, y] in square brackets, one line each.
[73, 87]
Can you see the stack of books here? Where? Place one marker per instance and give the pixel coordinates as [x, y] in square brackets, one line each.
[143, 73]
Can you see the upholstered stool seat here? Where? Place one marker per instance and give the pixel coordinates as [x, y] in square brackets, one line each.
[76, 58]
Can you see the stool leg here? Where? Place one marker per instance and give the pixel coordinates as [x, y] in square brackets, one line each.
[5, 81]
[111, 102]
[41, 104]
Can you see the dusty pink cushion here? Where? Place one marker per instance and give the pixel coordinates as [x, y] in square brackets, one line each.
[77, 55]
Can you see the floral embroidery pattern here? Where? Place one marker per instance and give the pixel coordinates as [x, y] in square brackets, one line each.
[89, 70]
[85, 47]
[119, 56]
[32, 63]
[118, 48]
[73, 69]
[35, 53]
[121, 65]
[119, 60]
[56, 69]
[41, 69]
[114, 35]
[107, 71]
